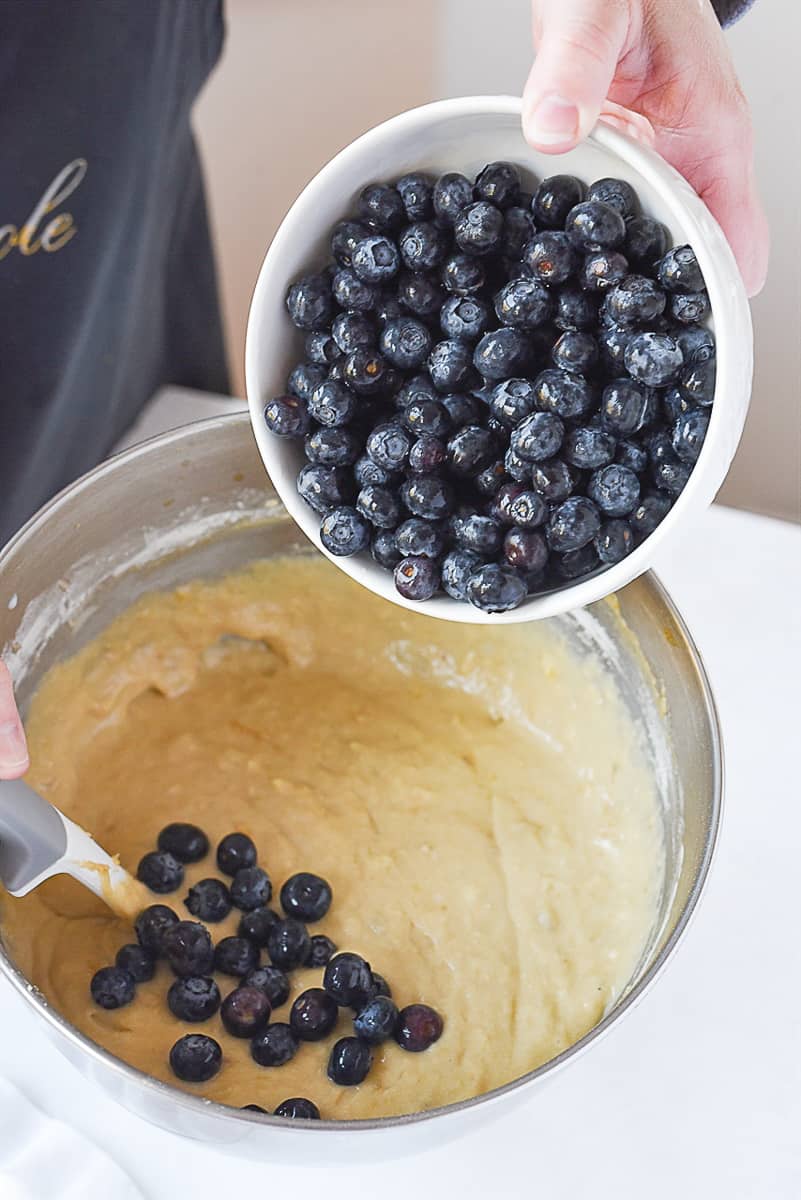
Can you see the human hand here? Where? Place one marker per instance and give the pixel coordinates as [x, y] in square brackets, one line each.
[662, 70]
[14, 759]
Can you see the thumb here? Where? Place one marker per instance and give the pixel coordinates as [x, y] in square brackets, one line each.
[579, 44]
[13, 749]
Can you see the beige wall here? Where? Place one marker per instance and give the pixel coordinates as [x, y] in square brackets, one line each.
[295, 85]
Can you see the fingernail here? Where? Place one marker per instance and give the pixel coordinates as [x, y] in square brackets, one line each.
[13, 749]
[554, 120]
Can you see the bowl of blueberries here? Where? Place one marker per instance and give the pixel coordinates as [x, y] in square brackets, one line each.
[487, 382]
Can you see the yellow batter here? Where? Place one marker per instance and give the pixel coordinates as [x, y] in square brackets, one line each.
[477, 798]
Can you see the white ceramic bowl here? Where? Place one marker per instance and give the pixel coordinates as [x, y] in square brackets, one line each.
[463, 135]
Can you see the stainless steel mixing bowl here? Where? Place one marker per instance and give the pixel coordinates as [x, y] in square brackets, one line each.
[196, 502]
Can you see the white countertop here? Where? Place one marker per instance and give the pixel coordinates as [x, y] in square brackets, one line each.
[697, 1094]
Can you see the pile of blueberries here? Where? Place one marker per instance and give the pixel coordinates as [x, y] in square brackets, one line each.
[503, 392]
[187, 947]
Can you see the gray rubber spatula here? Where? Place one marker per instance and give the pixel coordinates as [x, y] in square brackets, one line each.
[37, 841]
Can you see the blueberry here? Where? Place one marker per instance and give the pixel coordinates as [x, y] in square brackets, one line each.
[573, 524]
[575, 351]
[405, 343]
[499, 183]
[518, 229]
[649, 512]
[428, 496]
[256, 924]
[500, 508]
[345, 238]
[254, 1108]
[251, 888]
[418, 538]
[275, 1046]
[420, 293]
[671, 473]
[112, 987]
[416, 578]
[196, 1058]
[452, 193]
[554, 198]
[450, 364]
[512, 400]
[160, 871]
[653, 358]
[236, 850]
[353, 331]
[321, 950]
[462, 409]
[366, 371]
[423, 417]
[554, 480]
[384, 549]
[589, 447]
[388, 446]
[616, 193]
[631, 455]
[692, 339]
[415, 390]
[594, 225]
[423, 246]
[381, 207]
[575, 309]
[470, 451]
[636, 300]
[416, 190]
[309, 302]
[494, 588]
[689, 309]
[483, 535]
[603, 269]
[286, 416]
[344, 531]
[236, 955]
[138, 962]
[564, 394]
[151, 925]
[324, 487]
[576, 563]
[502, 353]
[379, 986]
[523, 304]
[379, 505]
[349, 1062]
[298, 1108]
[526, 550]
[614, 541]
[351, 292]
[387, 307]
[678, 271]
[376, 1021]
[332, 404]
[313, 1015]
[457, 567]
[697, 380]
[689, 432]
[615, 489]
[551, 257]
[187, 948]
[464, 318]
[646, 241]
[321, 348]
[306, 896]
[463, 274]
[208, 900]
[288, 943]
[185, 842]
[304, 378]
[376, 259]
[478, 228]
[538, 437]
[245, 1011]
[348, 980]
[626, 406]
[332, 447]
[612, 343]
[516, 467]
[195, 998]
[366, 472]
[273, 981]
[491, 479]
[528, 510]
